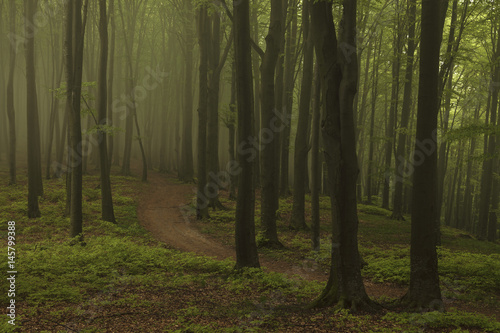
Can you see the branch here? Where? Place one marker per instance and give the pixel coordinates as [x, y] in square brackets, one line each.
[230, 15]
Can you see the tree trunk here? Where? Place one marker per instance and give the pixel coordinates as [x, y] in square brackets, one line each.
[297, 220]
[340, 73]
[401, 153]
[111, 76]
[487, 177]
[186, 171]
[106, 196]
[424, 292]
[315, 162]
[11, 113]
[269, 160]
[203, 40]
[34, 173]
[288, 86]
[246, 249]
[393, 109]
[75, 30]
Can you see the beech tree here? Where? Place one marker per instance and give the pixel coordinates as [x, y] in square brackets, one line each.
[246, 248]
[35, 188]
[338, 65]
[424, 292]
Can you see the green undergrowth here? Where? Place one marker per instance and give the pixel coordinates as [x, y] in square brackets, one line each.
[124, 278]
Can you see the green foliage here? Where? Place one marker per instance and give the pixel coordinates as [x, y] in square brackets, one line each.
[436, 319]
[464, 275]
[374, 210]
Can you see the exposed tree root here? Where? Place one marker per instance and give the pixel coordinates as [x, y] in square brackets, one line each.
[421, 304]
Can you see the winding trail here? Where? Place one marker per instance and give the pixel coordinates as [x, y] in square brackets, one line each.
[162, 210]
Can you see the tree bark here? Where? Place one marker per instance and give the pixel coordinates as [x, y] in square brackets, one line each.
[11, 113]
[269, 160]
[315, 162]
[340, 73]
[246, 249]
[397, 212]
[203, 40]
[106, 196]
[424, 292]
[34, 166]
[297, 220]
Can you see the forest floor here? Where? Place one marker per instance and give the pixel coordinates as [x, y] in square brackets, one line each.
[158, 269]
[164, 210]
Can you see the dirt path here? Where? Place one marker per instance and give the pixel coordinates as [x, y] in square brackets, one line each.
[160, 212]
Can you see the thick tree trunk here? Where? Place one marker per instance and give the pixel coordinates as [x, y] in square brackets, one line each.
[340, 73]
[424, 292]
[246, 249]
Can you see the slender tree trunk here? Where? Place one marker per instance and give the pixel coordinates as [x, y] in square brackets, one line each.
[270, 167]
[297, 220]
[11, 113]
[370, 171]
[315, 162]
[393, 110]
[106, 196]
[75, 30]
[487, 177]
[203, 40]
[111, 77]
[186, 171]
[288, 85]
[34, 172]
[257, 91]
[246, 249]
[400, 159]
[232, 131]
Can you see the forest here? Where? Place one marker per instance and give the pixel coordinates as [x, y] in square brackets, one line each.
[250, 165]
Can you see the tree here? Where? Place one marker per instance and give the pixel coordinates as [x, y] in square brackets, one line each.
[203, 26]
[485, 232]
[186, 171]
[424, 292]
[270, 153]
[246, 249]
[339, 68]
[297, 220]
[106, 200]
[405, 113]
[11, 114]
[34, 164]
[75, 32]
